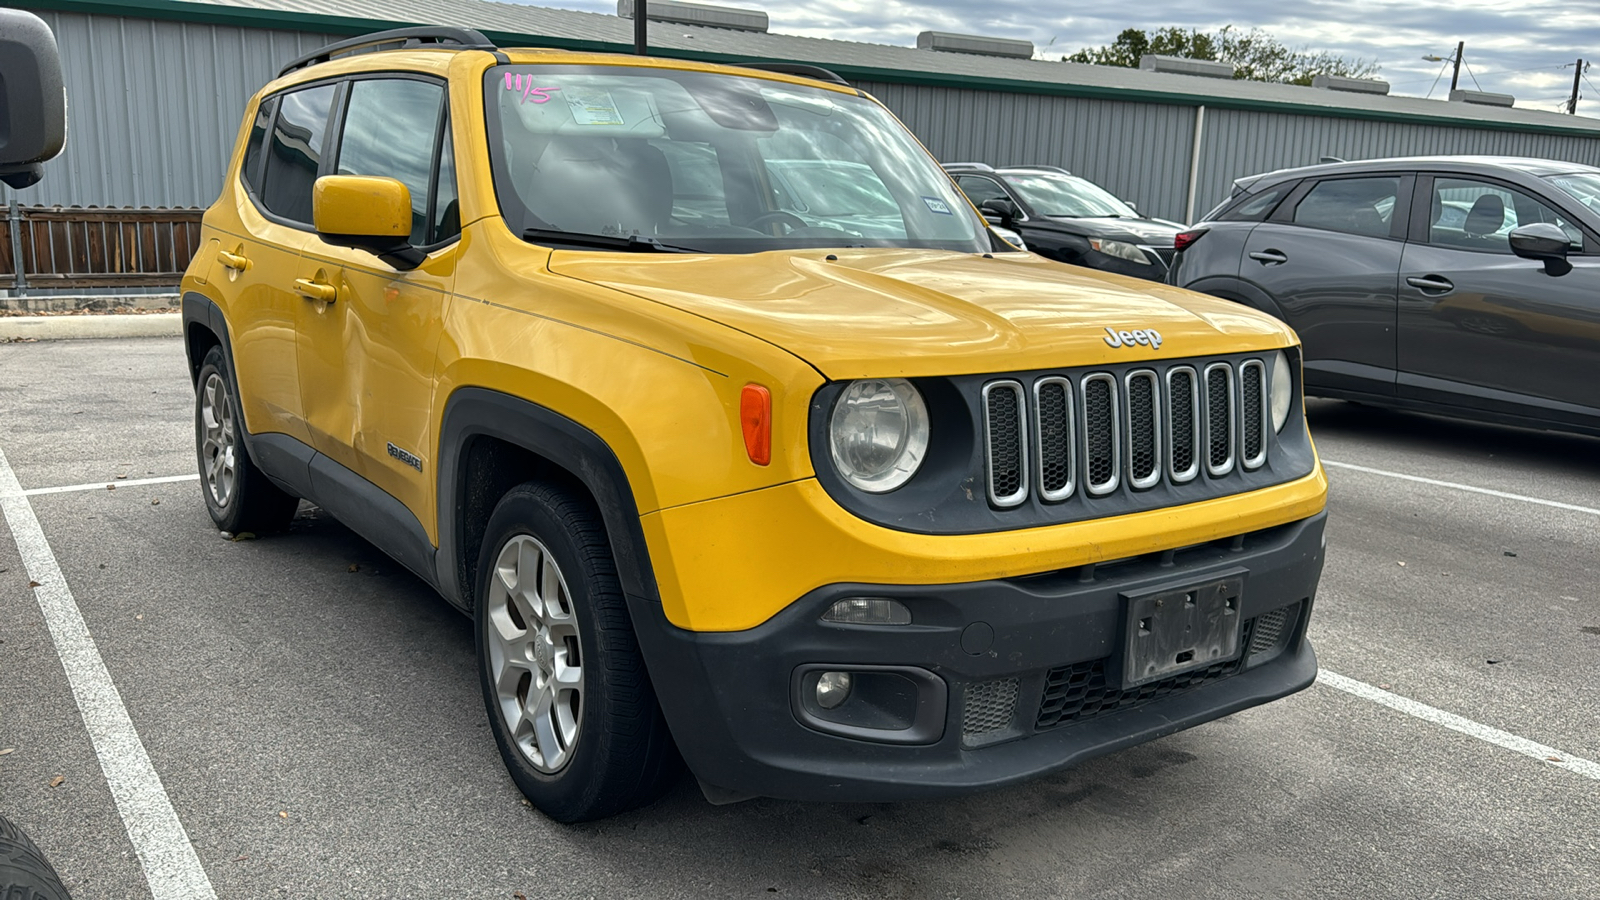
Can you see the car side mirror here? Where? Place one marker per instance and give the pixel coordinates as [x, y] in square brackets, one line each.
[1543, 241]
[366, 212]
[1005, 209]
[33, 100]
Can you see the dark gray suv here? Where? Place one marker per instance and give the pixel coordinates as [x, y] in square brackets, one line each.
[1468, 286]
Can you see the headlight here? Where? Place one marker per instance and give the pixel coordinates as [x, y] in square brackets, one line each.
[1121, 250]
[878, 433]
[1282, 390]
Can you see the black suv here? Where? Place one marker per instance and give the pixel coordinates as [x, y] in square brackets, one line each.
[1068, 218]
[1468, 286]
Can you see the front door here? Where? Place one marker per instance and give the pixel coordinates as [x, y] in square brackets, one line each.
[1331, 260]
[1483, 328]
[366, 355]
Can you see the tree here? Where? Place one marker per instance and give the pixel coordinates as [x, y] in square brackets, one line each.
[1254, 54]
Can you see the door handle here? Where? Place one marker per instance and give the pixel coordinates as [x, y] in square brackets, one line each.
[315, 290]
[1270, 257]
[1433, 283]
[235, 261]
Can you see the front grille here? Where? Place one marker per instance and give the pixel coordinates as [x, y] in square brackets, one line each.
[1057, 456]
[1006, 435]
[1078, 692]
[990, 706]
[1100, 429]
[1269, 627]
[1253, 423]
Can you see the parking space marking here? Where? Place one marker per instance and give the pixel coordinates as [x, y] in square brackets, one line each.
[171, 866]
[102, 485]
[1504, 495]
[1548, 755]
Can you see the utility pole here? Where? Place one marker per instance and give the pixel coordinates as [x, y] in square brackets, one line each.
[1461, 47]
[1572, 105]
[641, 21]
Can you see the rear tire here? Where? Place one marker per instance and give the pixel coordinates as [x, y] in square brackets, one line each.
[564, 684]
[24, 872]
[238, 495]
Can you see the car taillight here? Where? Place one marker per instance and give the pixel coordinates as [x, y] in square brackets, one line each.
[1183, 240]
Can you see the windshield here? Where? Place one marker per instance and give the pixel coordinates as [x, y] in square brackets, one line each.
[1583, 185]
[1068, 195]
[718, 163]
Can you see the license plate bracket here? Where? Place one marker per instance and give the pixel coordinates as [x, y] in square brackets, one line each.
[1173, 630]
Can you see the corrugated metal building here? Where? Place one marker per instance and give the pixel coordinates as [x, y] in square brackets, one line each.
[157, 89]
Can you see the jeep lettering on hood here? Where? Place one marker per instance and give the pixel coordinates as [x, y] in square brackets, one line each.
[928, 312]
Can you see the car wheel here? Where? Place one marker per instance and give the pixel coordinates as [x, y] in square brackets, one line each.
[24, 872]
[565, 687]
[238, 495]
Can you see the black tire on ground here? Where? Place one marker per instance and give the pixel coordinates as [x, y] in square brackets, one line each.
[24, 872]
[254, 503]
[622, 755]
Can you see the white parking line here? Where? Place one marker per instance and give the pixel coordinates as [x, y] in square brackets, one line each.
[1548, 755]
[171, 866]
[102, 485]
[1464, 487]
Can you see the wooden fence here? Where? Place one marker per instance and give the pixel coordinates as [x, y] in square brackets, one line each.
[92, 247]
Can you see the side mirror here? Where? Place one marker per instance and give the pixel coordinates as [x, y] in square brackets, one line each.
[1005, 209]
[1543, 241]
[33, 100]
[368, 213]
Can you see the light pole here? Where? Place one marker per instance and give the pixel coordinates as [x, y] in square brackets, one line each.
[1455, 76]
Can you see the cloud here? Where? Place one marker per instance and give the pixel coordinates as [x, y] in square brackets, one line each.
[1515, 47]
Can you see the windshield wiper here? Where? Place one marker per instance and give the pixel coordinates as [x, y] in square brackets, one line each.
[633, 243]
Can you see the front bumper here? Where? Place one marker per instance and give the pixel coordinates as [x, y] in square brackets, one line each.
[1028, 671]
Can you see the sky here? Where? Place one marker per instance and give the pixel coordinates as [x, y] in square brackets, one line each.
[1526, 48]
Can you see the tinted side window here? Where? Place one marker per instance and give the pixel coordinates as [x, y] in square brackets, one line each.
[446, 205]
[1258, 207]
[250, 169]
[295, 152]
[980, 189]
[1479, 215]
[390, 129]
[1353, 205]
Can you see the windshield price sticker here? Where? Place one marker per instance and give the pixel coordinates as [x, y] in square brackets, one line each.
[938, 206]
[593, 107]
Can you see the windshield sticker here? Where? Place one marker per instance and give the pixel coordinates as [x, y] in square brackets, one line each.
[524, 85]
[938, 206]
[593, 107]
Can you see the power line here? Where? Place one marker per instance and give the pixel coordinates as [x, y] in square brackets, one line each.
[1469, 72]
[1436, 79]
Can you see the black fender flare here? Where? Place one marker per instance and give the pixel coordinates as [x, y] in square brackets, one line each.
[472, 412]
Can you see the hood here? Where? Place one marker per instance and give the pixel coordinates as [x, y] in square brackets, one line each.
[881, 313]
[1155, 232]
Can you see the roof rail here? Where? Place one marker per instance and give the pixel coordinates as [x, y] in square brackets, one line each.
[434, 35]
[981, 167]
[1056, 169]
[799, 69]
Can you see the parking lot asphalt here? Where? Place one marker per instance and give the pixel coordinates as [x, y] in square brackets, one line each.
[313, 715]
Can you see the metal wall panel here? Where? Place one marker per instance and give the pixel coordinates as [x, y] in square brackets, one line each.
[1138, 151]
[153, 107]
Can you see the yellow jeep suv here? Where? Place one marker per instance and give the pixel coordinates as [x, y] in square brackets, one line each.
[704, 391]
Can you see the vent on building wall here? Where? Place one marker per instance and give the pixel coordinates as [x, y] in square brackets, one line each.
[698, 14]
[974, 43]
[1353, 85]
[1177, 65]
[1483, 98]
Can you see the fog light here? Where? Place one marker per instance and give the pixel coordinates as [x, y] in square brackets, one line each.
[832, 689]
[868, 611]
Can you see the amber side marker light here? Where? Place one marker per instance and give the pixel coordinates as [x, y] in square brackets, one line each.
[755, 415]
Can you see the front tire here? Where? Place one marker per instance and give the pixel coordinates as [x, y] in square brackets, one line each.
[564, 684]
[238, 495]
[24, 872]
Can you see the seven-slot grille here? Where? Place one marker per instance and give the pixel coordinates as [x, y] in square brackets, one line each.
[1096, 431]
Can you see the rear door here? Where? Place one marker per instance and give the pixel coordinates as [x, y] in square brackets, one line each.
[1485, 329]
[1329, 257]
[256, 269]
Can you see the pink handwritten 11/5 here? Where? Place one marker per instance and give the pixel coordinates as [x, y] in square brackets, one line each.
[524, 85]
